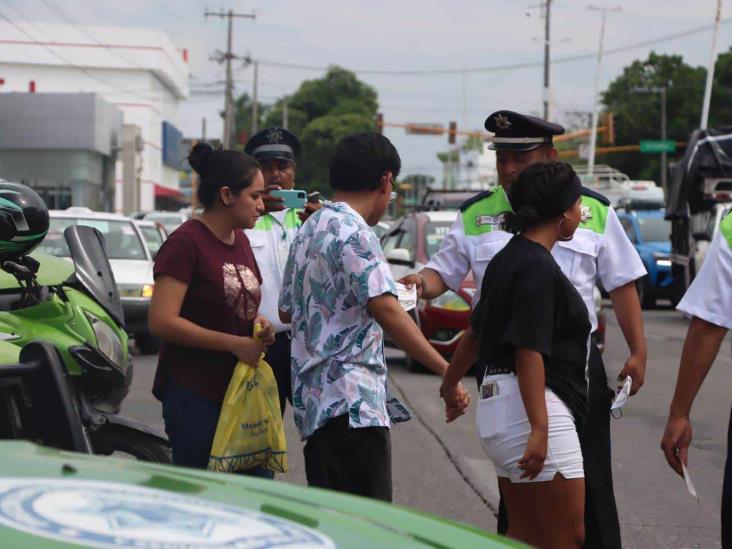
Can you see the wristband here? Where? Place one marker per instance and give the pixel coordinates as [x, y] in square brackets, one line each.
[424, 283]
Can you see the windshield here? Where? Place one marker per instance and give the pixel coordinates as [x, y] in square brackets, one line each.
[654, 229]
[434, 232]
[120, 237]
[153, 238]
[170, 221]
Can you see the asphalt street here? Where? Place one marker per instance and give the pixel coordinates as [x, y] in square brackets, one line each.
[440, 468]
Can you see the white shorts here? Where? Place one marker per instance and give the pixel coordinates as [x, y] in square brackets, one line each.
[504, 428]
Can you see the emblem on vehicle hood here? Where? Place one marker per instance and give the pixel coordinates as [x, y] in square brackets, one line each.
[101, 514]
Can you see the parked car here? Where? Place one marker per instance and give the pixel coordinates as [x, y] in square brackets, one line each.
[154, 234]
[382, 228]
[52, 499]
[129, 256]
[170, 220]
[412, 240]
[650, 233]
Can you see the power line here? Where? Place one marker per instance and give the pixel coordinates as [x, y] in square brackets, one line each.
[497, 68]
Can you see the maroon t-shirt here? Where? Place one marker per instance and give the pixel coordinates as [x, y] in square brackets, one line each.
[223, 295]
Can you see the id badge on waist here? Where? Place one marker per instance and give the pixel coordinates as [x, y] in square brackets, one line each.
[488, 389]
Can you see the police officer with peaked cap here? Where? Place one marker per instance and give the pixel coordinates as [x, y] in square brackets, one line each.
[599, 251]
[276, 149]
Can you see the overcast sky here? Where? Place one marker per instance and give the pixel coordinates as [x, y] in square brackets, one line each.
[403, 35]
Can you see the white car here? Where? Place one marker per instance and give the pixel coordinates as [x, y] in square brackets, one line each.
[129, 256]
[170, 220]
[154, 234]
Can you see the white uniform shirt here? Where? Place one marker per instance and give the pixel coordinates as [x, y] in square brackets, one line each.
[271, 239]
[709, 296]
[600, 250]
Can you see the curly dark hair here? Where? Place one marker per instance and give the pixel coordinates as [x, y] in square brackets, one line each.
[541, 192]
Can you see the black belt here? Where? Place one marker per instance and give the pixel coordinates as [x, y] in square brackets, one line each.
[493, 370]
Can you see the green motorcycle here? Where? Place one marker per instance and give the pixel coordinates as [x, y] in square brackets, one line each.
[77, 310]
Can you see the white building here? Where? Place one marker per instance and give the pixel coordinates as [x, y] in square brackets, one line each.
[474, 170]
[139, 71]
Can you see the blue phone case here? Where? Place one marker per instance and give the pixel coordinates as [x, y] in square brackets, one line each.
[291, 198]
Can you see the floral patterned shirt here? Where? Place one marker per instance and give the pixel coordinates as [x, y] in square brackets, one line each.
[335, 266]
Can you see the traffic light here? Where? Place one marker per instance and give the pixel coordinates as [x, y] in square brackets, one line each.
[608, 122]
[452, 133]
[379, 122]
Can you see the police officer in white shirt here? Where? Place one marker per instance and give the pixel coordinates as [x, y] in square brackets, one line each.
[276, 150]
[708, 302]
[600, 250]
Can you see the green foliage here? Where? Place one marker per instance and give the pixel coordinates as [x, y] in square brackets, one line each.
[638, 115]
[320, 113]
[243, 119]
[319, 140]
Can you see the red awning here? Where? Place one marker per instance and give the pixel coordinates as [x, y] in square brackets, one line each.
[166, 192]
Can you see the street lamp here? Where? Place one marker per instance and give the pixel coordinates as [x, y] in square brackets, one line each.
[662, 91]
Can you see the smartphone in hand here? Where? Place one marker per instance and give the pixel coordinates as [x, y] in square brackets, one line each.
[291, 198]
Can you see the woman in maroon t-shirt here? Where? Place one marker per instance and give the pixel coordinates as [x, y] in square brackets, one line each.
[206, 302]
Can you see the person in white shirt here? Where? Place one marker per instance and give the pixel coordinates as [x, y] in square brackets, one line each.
[708, 302]
[276, 150]
[600, 251]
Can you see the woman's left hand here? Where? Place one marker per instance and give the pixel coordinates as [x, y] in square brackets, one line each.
[267, 333]
[532, 461]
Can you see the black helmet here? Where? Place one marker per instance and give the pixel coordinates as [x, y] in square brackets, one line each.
[23, 219]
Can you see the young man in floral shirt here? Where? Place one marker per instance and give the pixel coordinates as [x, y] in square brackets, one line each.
[339, 295]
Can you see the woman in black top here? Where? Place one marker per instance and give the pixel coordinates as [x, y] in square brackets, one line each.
[531, 328]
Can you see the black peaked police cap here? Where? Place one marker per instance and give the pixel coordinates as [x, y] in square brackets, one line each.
[273, 144]
[519, 132]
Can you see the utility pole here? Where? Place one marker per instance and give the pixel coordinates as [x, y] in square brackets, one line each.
[710, 70]
[595, 106]
[227, 57]
[255, 105]
[547, 45]
[285, 114]
[661, 90]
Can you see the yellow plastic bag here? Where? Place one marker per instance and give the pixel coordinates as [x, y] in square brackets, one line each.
[250, 432]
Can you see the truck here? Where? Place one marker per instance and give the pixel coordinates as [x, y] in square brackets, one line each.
[698, 198]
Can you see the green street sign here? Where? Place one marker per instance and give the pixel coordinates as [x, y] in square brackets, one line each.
[657, 146]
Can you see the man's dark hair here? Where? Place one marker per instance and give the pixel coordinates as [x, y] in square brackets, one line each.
[360, 160]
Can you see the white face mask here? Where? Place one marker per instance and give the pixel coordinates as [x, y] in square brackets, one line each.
[622, 394]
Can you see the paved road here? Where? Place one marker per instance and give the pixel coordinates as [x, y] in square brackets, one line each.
[441, 468]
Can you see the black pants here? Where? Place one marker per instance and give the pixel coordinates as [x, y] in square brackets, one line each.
[727, 493]
[357, 461]
[602, 527]
[278, 357]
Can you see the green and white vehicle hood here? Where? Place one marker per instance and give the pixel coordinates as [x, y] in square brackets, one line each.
[52, 499]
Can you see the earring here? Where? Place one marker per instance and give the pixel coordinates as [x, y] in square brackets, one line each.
[562, 237]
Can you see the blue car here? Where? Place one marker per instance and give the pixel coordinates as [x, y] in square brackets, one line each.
[650, 233]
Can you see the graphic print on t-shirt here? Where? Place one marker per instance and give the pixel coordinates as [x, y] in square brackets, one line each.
[242, 300]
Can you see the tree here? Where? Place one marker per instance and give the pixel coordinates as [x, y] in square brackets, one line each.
[320, 113]
[243, 119]
[638, 115]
